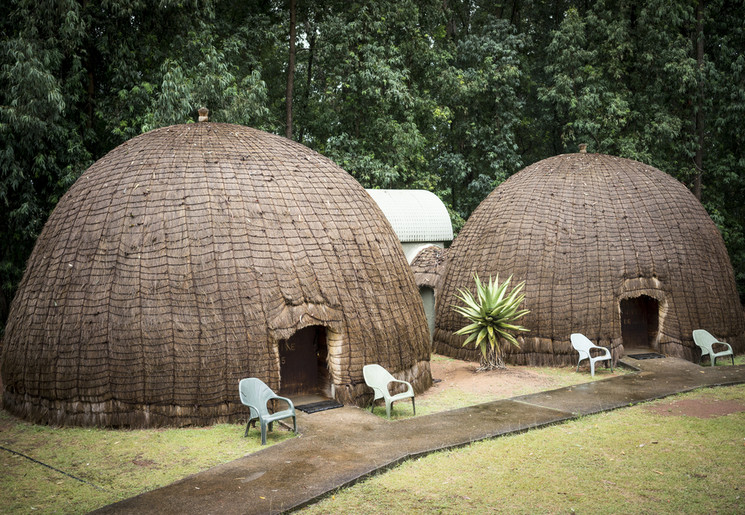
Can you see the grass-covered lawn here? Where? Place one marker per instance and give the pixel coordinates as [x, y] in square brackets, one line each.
[625, 461]
[119, 463]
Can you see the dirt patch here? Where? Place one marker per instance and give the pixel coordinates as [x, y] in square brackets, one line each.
[700, 408]
[463, 375]
[143, 463]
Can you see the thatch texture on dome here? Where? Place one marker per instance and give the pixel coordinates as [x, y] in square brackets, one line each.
[428, 265]
[192, 256]
[597, 239]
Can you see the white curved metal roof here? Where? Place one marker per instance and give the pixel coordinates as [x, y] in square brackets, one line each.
[416, 215]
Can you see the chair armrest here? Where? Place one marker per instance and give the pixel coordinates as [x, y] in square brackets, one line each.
[729, 347]
[409, 388]
[604, 349]
[288, 401]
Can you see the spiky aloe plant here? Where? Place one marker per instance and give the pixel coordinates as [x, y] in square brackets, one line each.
[492, 313]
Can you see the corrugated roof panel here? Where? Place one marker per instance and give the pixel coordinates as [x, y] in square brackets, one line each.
[416, 215]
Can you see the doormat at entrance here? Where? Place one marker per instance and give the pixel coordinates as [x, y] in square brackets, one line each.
[319, 406]
[648, 355]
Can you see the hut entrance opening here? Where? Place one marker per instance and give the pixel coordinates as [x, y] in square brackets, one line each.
[303, 365]
[428, 300]
[640, 323]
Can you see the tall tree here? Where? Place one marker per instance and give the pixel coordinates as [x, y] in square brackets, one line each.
[364, 95]
[43, 124]
[480, 104]
[290, 72]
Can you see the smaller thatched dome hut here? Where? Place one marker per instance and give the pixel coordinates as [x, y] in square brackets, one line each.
[608, 247]
[196, 255]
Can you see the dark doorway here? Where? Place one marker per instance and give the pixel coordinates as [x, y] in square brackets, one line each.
[639, 322]
[302, 362]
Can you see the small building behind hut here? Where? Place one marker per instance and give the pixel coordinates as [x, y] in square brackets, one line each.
[608, 247]
[422, 223]
[193, 256]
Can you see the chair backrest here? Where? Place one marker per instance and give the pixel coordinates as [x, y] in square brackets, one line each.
[580, 342]
[255, 393]
[375, 375]
[703, 338]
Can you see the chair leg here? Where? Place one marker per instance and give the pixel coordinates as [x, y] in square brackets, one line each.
[248, 425]
[732, 357]
[263, 433]
[592, 368]
[388, 408]
[294, 424]
[413, 406]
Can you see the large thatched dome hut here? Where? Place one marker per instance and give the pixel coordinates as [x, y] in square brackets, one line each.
[608, 247]
[193, 256]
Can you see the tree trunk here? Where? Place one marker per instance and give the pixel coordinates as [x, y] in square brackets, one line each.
[290, 73]
[493, 360]
[698, 41]
[311, 51]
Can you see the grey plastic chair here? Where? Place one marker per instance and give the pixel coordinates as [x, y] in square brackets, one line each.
[583, 345]
[706, 341]
[378, 378]
[255, 394]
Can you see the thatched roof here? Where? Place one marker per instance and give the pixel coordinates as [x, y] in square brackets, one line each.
[428, 266]
[176, 263]
[588, 232]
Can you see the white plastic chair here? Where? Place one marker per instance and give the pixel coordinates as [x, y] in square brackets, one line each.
[706, 341]
[255, 394]
[583, 345]
[378, 378]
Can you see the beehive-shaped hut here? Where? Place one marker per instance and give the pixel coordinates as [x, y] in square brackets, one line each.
[608, 247]
[196, 255]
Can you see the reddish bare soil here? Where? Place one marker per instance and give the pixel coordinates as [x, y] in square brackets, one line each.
[509, 382]
[700, 408]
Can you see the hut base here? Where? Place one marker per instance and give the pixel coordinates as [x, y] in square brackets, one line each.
[544, 352]
[117, 414]
[533, 351]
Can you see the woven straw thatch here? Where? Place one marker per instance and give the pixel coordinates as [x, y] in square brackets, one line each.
[427, 266]
[176, 264]
[587, 233]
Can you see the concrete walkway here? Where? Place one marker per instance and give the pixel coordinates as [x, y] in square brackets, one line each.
[341, 446]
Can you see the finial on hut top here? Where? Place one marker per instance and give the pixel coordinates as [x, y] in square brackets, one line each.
[204, 114]
[582, 147]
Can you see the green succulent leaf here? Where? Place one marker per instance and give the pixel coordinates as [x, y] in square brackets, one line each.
[492, 311]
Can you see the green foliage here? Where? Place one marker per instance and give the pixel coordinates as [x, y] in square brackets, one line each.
[479, 105]
[492, 313]
[362, 89]
[42, 143]
[452, 97]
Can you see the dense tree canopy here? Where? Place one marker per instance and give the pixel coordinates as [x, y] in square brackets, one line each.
[449, 95]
